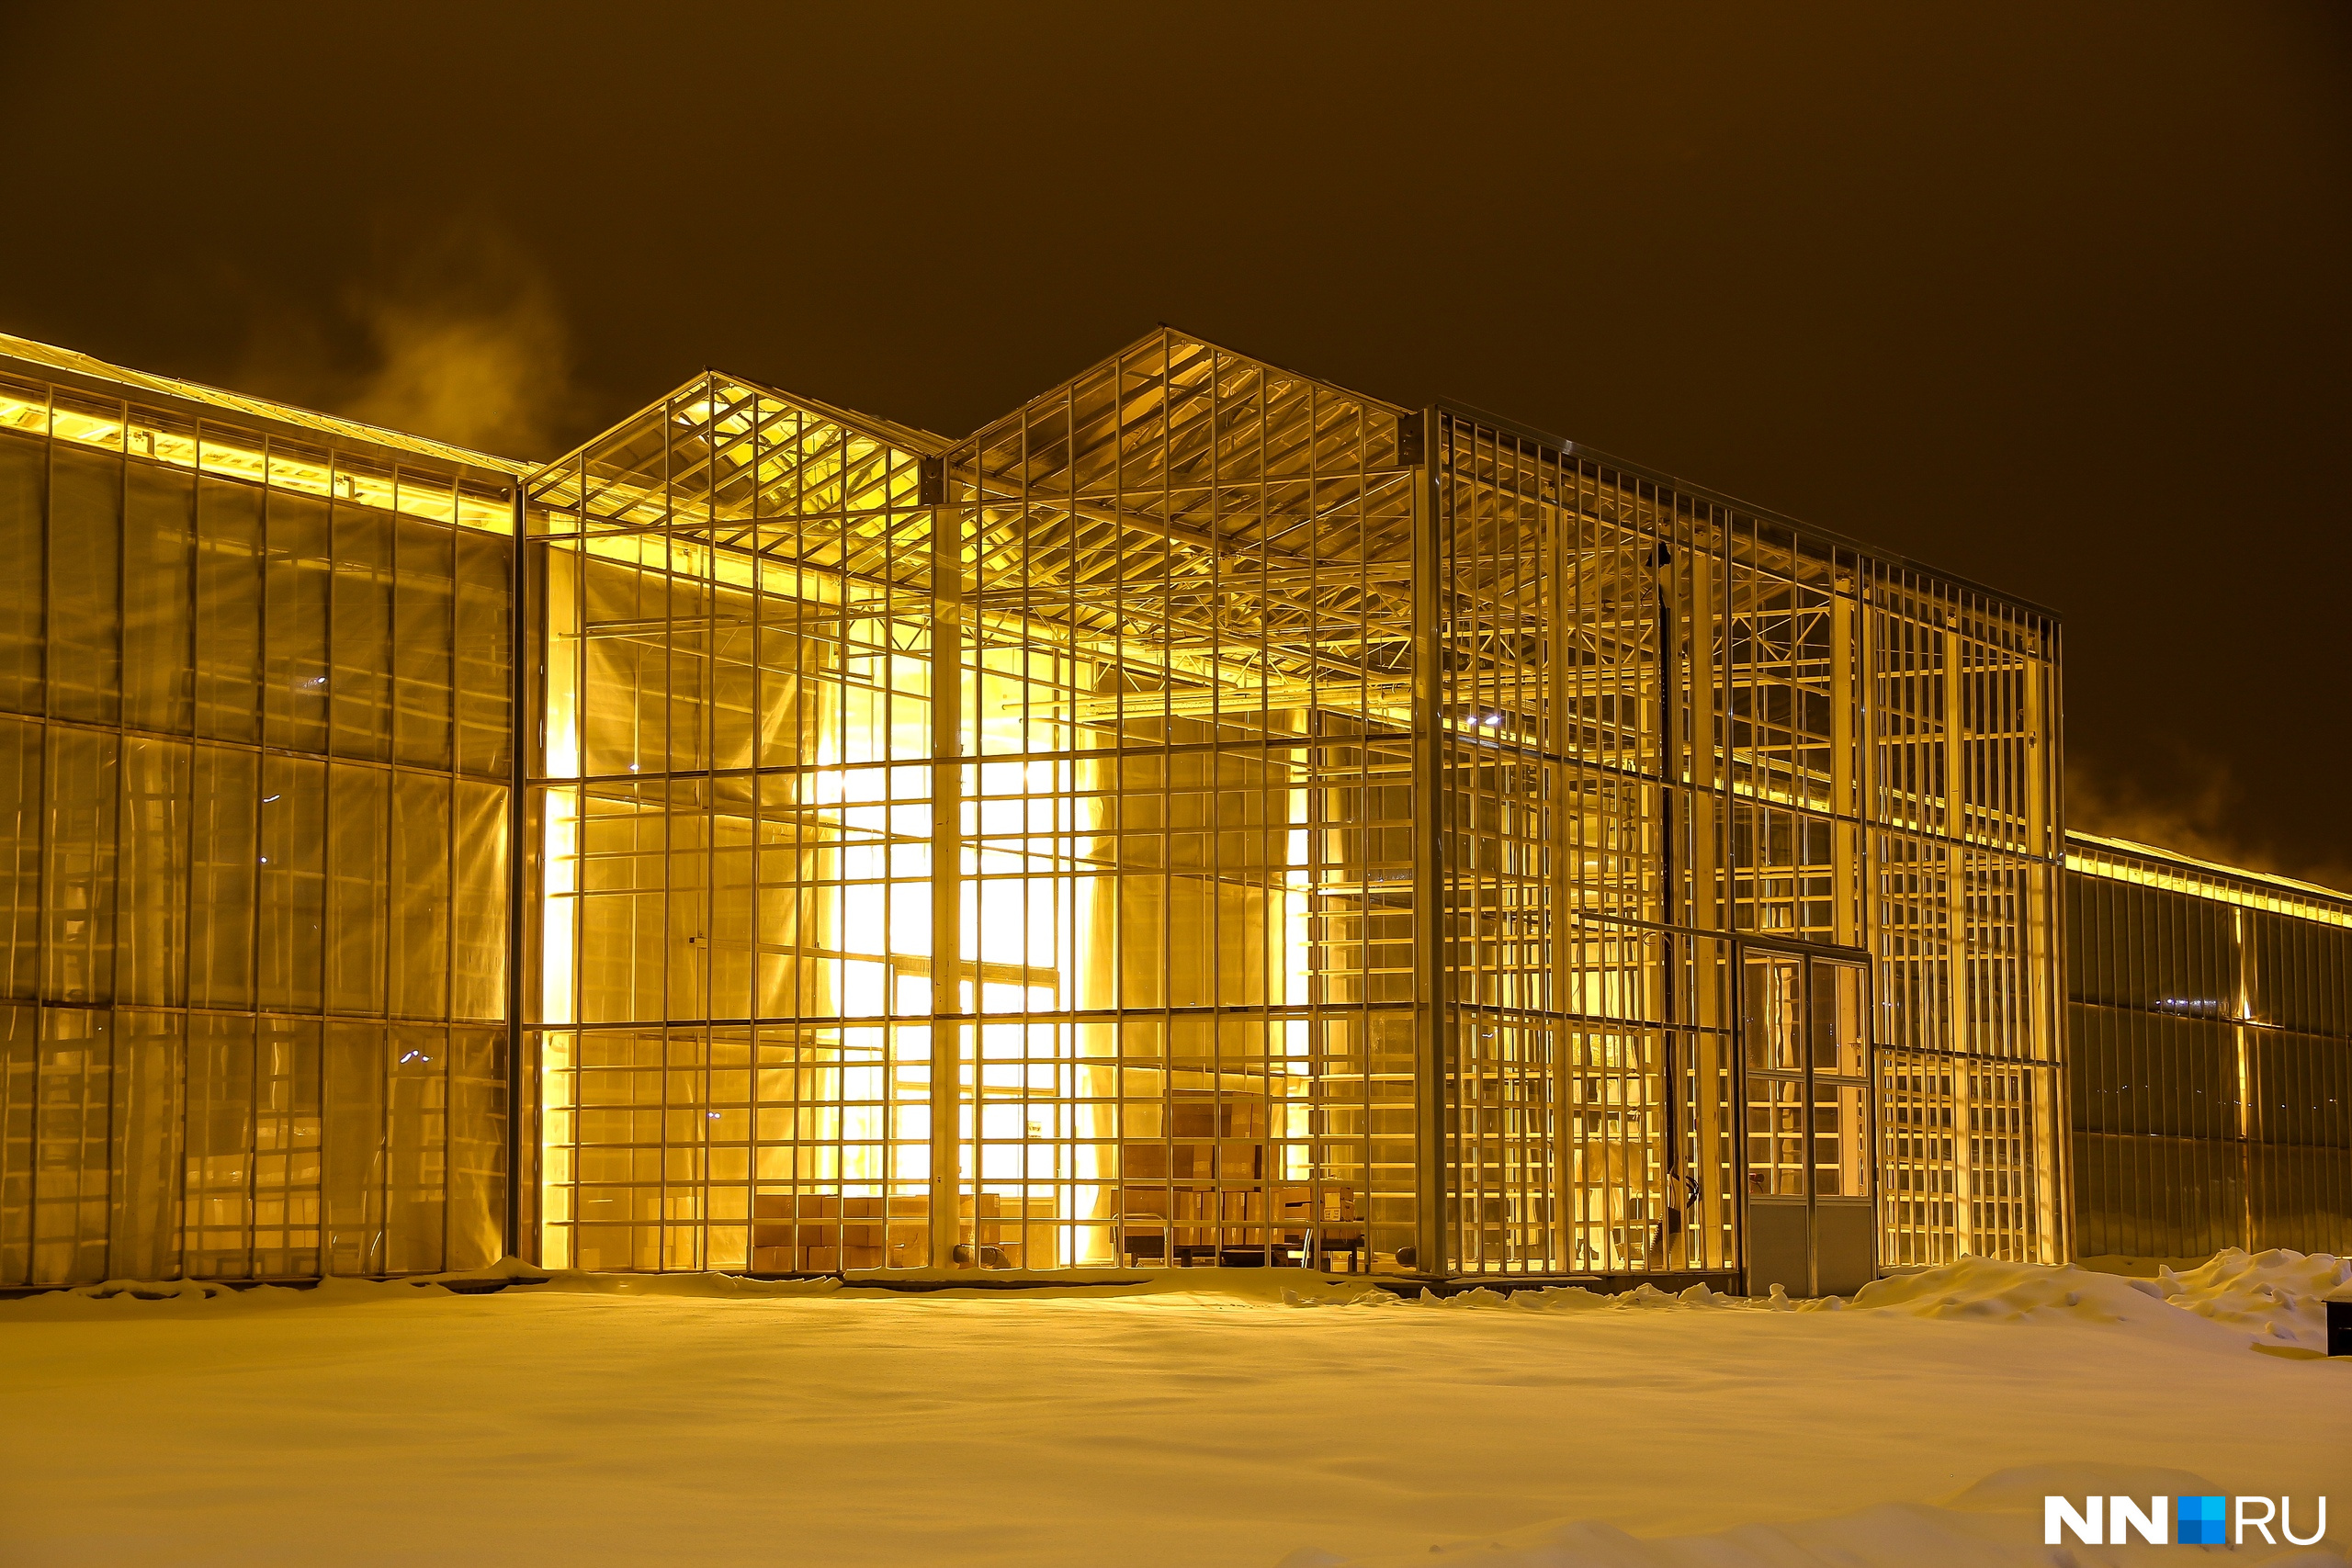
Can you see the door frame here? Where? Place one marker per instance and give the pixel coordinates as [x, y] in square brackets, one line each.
[1809, 953]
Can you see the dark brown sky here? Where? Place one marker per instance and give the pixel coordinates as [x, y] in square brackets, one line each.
[2059, 302]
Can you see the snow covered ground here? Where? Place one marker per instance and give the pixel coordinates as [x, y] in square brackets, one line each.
[1252, 1418]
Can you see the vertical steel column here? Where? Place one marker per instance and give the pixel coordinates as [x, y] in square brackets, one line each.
[2046, 833]
[1850, 841]
[1714, 1073]
[522, 731]
[1848, 876]
[1431, 1017]
[1565, 927]
[382, 1070]
[1673, 911]
[1868, 814]
[44, 872]
[1956, 931]
[946, 882]
[2242, 1041]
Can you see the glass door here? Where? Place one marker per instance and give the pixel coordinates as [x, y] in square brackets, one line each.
[1805, 1092]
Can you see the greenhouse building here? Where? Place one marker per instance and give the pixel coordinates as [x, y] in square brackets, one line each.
[1207, 816]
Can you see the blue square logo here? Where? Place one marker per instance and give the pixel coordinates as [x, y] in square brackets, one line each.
[2197, 1521]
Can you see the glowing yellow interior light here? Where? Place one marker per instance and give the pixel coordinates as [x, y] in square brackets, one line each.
[22, 413]
[560, 883]
[239, 455]
[2119, 860]
[26, 352]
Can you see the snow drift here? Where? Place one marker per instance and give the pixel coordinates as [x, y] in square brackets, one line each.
[1187, 1419]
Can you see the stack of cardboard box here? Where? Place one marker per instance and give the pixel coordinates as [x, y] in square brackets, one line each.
[1005, 1242]
[822, 1232]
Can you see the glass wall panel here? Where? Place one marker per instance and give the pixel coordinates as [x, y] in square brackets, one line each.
[86, 586]
[220, 1149]
[477, 1111]
[19, 1115]
[484, 655]
[421, 913]
[149, 1122]
[159, 600]
[225, 869]
[24, 512]
[417, 1153]
[227, 610]
[358, 881]
[151, 874]
[72, 1173]
[2210, 1065]
[478, 910]
[79, 928]
[21, 818]
[361, 634]
[295, 694]
[355, 1164]
[423, 645]
[293, 882]
[287, 1125]
[186, 578]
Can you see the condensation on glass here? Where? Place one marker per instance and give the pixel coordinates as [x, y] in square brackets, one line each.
[2210, 1056]
[254, 721]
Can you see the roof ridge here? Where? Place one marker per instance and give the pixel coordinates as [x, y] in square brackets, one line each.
[2178, 857]
[923, 443]
[73, 361]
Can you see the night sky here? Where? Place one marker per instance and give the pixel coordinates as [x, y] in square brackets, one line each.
[2061, 303]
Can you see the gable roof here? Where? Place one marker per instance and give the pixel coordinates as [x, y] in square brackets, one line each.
[85, 373]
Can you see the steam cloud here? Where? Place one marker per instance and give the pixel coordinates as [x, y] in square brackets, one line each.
[459, 336]
[2197, 808]
[480, 362]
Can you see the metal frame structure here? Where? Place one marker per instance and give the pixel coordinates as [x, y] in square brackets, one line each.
[1157, 815]
[1763, 730]
[1343, 817]
[1207, 816]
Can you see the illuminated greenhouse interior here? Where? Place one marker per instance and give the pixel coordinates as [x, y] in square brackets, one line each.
[1350, 824]
[1207, 816]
